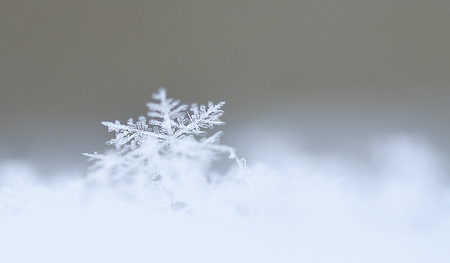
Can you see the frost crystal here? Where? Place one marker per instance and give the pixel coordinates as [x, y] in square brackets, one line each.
[167, 153]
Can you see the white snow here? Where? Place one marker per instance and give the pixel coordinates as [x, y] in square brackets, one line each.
[300, 208]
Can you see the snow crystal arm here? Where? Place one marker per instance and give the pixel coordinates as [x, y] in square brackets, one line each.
[131, 132]
[202, 118]
[167, 110]
[94, 156]
[174, 120]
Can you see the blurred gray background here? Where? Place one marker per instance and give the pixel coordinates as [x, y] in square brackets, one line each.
[330, 74]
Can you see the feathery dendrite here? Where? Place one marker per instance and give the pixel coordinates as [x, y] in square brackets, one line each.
[168, 153]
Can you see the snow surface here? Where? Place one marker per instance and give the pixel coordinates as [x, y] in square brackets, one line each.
[298, 208]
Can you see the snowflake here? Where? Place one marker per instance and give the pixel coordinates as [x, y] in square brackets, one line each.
[167, 152]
